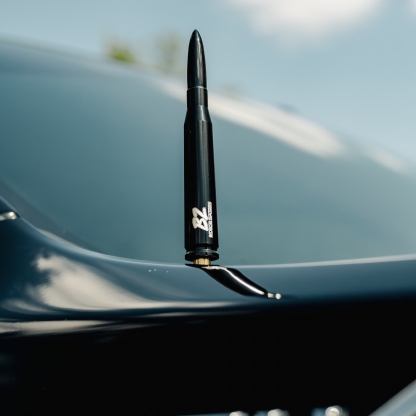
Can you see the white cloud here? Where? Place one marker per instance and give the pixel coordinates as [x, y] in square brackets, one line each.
[294, 21]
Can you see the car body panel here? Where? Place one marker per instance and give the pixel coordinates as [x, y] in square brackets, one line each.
[82, 331]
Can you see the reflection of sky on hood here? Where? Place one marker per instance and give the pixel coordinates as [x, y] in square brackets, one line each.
[273, 122]
[347, 65]
[75, 285]
[72, 285]
[287, 128]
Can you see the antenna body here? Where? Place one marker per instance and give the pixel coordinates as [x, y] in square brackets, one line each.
[201, 229]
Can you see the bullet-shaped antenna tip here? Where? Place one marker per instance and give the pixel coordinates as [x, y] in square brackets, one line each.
[197, 76]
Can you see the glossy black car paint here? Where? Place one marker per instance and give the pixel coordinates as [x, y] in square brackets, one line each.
[83, 332]
[161, 338]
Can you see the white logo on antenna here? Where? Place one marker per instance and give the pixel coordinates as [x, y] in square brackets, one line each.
[205, 222]
[202, 222]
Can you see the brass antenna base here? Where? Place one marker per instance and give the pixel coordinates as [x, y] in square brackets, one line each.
[203, 261]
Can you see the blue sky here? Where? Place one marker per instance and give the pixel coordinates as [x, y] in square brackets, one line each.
[351, 67]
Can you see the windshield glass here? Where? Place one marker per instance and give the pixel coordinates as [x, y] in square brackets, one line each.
[95, 156]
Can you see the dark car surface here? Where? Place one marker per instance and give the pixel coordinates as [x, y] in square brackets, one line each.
[98, 311]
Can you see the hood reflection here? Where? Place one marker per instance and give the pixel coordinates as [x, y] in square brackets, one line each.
[74, 285]
[51, 280]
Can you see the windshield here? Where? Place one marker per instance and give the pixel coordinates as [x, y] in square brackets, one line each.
[95, 156]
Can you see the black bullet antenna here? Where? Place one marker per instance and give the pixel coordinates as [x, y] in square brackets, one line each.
[201, 229]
